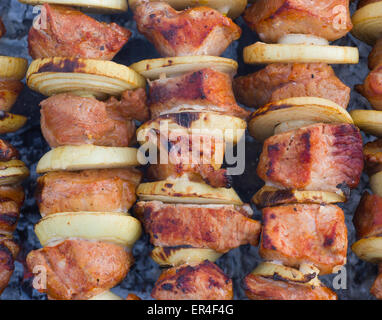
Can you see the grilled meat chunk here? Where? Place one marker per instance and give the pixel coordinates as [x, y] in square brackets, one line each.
[8, 253]
[319, 157]
[192, 32]
[205, 89]
[67, 119]
[368, 216]
[9, 91]
[8, 152]
[217, 178]
[217, 227]
[305, 233]
[204, 281]
[61, 31]
[262, 288]
[376, 289]
[371, 88]
[372, 153]
[79, 269]
[375, 56]
[13, 193]
[280, 81]
[9, 215]
[272, 19]
[103, 190]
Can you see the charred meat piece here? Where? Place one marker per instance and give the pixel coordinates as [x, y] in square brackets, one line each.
[8, 253]
[192, 32]
[305, 233]
[258, 287]
[9, 215]
[376, 289]
[2, 28]
[280, 81]
[217, 178]
[68, 119]
[372, 153]
[79, 269]
[272, 19]
[375, 56]
[203, 281]
[9, 91]
[104, 190]
[205, 89]
[319, 157]
[61, 31]
[368, 217]
[8, 152]
[371, 88]
[13, 193]
[217, 227]
[197, 156]
[132, 105]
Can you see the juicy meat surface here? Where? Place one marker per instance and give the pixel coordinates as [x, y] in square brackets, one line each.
[371, 88]
[205, 89]
[9, 91]
[221, 228]
[9, 215]
[103, 190]
[320, 157]
[61, 31]
[68, 119]
[368, 216]
[204, 281]
[13, 193]
[272, 19]
[372, 152]
[2, 28]
[191, 32]
[375, 56]
[79, 269]
[376, 289]
[217, 178]
[305, 233]
[280, 81]
[261, 288]
[8, 253]
[197, 156]
[7, 152]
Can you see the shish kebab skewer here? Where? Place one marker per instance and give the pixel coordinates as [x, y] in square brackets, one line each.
[88, 183]
[186, 211]
[310, 143]
[12, 71]
[12, 173]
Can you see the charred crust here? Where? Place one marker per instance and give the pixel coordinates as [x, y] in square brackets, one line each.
[273, 151]
[270, 108]
[8, 152]
[265, 199]
[266, 241]
[6, 258]
[9, 218]
[67, 65]
[305, 155]
[185, 119]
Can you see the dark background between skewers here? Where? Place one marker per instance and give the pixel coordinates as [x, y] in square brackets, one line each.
[140, 280]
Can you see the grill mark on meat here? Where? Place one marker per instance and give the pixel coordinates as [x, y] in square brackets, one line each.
[305, 156]
[273, 151]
